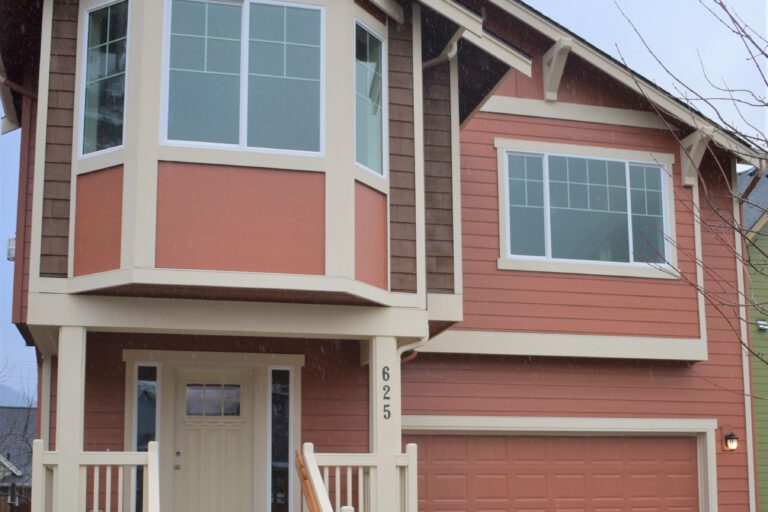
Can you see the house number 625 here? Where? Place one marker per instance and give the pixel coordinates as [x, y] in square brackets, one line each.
[386, 390]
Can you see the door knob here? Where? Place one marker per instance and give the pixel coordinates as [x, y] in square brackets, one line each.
[177, 467]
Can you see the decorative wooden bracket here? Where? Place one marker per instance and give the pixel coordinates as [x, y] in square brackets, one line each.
[393, 9]
[448, 52]
[692, 150]
[554, 63]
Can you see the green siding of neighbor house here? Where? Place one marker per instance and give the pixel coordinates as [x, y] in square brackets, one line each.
[758, 274]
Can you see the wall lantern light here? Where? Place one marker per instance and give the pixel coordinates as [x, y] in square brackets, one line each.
[731, 441]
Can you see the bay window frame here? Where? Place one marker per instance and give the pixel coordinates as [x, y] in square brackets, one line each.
[242, 145]
[509, 261]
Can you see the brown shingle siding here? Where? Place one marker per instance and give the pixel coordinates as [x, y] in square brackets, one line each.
[58, 150]
[402, 162]
[437, 179]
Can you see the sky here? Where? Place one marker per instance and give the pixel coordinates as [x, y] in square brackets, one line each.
[681, 33]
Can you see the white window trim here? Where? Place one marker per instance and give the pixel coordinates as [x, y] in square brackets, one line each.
[242, 145]
[83, 51]
[384, 175]
[508, 261]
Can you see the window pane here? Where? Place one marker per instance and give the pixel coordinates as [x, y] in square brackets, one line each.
[267, 22]
[283, 113]
[368, 108]
[105, 78]
[302, 61]
[188, 18]
[302, 26]
[194, 399]
[526, 210]
[203, 107]
[280, 440]
[647, 214]
[586, 235]
[224, 56]
[146, 406]
[267, 58]
[224, 21]
[188, 53]
[577, 170]
[558, 168]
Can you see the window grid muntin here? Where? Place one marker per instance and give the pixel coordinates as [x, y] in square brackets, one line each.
[244, 74]
[82, 150]
[664, 190]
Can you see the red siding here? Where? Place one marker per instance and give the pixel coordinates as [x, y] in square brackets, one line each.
[371, 236]
[98, 221]
[571, 303]
[213, 217]
[334, 386]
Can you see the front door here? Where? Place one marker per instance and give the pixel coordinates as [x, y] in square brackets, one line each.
[214, 441]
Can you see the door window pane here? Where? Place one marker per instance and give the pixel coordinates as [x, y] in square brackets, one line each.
[280, 439]
[369, 134]
[105, 78]
[204, 81]
[284, 78]
[213, 399]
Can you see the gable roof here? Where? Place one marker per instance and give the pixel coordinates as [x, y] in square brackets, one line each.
[666, 102]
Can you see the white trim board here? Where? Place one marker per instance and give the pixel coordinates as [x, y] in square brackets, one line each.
[456, 341]
[573, 112]
[704, 429]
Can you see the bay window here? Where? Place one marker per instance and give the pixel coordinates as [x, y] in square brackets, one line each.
[104, 92]
[562, 207]
[246, 74]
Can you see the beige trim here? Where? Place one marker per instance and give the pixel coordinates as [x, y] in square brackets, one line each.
[45, 401]
[692, 150]
[704, 429]
[458, 270]
[744, 335]
[584, 150]
[644, 270]
[573, 112]
[41, 131]
[418, 144]
[699, 262]
[445, 307]
[212, 359]
[391, 8]
[502, 51]
[605, 64]
[229, 318]
[554, 64]
[456, 341]
[458, 14]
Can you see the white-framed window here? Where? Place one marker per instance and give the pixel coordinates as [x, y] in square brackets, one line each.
[103, 103]
[370, 100]
[576, 208]
[247, 74]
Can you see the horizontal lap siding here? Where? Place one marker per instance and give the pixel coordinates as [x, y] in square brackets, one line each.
[437, 384]
[402, 162]
[334, 386]
[437, 177]
[571, 303]
[58, 151]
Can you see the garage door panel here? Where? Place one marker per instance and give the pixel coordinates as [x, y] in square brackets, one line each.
[543, 473]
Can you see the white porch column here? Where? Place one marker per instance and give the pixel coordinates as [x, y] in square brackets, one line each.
[44, 405]
[69, 416]
[385, 423]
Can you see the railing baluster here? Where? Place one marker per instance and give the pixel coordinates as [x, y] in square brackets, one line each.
[95, 489]
[132, 489]
[83, 486]
[349, 486]
[108, 490]
[120, 485]
[337, 488]
[360, 489]
[325, 479]
[145, 489]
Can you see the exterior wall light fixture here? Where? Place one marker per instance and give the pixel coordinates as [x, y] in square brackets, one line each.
[731, 441]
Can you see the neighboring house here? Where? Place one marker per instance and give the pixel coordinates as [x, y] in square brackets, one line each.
[249, 227]
[17, 431]
[755, 220]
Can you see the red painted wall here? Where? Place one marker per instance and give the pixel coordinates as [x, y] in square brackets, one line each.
[212, 217]
[98, 221]
[334, 386]
[371, 255]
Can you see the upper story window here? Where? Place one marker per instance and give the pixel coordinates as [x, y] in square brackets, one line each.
[573, 208]
[369, 98]
[106, 46]
[246, 74]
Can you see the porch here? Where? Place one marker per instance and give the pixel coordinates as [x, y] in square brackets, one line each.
[151, 428]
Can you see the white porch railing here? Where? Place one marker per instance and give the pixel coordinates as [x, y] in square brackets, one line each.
[345, 482]
[108, 480]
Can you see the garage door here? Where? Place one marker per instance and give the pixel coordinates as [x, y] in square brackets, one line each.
[505, 473]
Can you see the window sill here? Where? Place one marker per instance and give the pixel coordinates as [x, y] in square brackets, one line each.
[642, 270]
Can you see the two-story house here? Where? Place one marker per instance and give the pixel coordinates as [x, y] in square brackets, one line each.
[248, 227]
